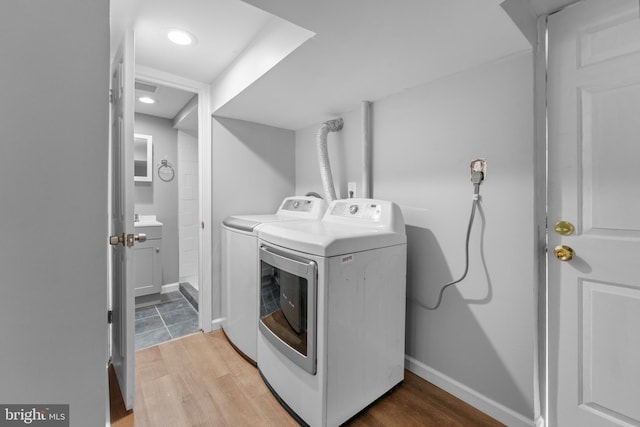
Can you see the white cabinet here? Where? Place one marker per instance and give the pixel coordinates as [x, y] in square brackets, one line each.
[147, 260]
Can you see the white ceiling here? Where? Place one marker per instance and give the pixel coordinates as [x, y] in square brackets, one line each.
[223, 28]
[362, 50]
[543, 7]
[169, 101]
[370, 49]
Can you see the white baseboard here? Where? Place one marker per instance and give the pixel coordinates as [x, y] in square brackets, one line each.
[217, 323]
[472, 397]
[170, 287]
[192, 280]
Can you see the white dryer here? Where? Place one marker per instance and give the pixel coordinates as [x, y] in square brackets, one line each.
[240, 267]
[331, 336]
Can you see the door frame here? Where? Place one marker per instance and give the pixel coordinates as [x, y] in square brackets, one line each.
[541, 181]
[541, 394]
[203, 90]
[541, 193]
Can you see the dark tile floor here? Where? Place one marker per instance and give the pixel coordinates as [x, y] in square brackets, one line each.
[171, 318]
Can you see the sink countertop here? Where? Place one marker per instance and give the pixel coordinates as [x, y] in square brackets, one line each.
[147, 221]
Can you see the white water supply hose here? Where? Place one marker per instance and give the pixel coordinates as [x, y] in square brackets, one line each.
[323, 157]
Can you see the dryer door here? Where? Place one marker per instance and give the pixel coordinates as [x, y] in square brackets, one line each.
[288, 293]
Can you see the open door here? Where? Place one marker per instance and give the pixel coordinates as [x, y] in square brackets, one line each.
[122, 194]
[594, 214]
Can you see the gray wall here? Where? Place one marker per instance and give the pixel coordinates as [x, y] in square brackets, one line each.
[482, 337]
[253, 170]
[53, 205]
[158, 197]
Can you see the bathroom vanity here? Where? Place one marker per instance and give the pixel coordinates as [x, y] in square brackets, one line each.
[147, 256]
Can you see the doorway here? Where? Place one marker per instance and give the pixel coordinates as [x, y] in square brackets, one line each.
[166, 211]
[121, 203]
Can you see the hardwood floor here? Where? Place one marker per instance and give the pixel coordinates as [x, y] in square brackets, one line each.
[200, 380]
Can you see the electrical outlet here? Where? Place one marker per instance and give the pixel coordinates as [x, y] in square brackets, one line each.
[478, 170]
[352, 188]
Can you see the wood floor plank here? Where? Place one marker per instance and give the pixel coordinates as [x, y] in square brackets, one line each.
[273, 414]
[140, 416]
[164, 406]
[251, 384]
[204, 413]
[206, 357]
[200, 380]
[174, 356]
[229, 398]
[149, 364]
[237, 364]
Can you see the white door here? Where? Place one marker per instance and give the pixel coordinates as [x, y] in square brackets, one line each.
[122, 193]
[594, 184]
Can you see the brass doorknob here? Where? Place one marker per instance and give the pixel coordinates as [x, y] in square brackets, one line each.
[564, 253]
[564, 228]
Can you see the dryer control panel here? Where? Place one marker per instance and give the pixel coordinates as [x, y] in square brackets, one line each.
[383, 215]
[365, 211]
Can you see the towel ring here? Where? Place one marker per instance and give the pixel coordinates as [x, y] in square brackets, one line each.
[165, 171]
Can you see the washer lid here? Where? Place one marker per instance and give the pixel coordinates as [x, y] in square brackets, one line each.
[238, 223]
[250, 222]
[291, 209]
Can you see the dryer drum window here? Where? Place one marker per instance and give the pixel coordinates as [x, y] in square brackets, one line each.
[287, 305]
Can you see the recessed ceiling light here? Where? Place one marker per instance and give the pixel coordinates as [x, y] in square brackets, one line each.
[146, 100]
[180, 37]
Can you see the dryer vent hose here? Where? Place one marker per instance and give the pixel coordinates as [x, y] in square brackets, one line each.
[323, 157]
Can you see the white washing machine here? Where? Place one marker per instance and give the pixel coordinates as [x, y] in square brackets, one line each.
[331, 334]
[239, 265]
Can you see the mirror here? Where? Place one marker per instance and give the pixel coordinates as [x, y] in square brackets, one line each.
[142, 158]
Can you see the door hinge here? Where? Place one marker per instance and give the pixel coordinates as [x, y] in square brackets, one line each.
[111, 96]
[110, 316]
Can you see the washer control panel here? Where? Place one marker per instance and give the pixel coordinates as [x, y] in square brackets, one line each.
[360, 210]
[303, 207]
[297, 205]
